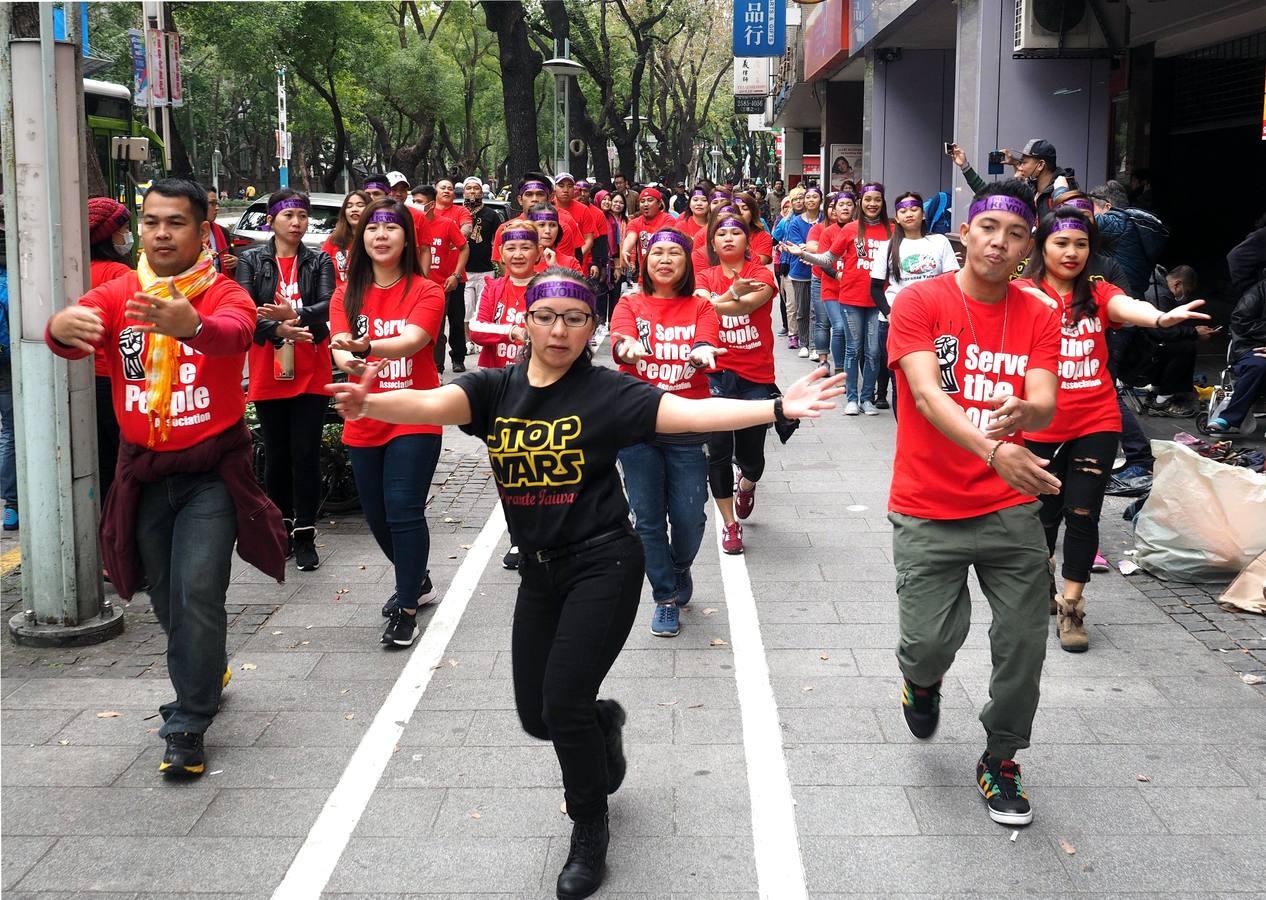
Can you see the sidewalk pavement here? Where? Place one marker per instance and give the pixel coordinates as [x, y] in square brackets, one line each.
[1147, 772]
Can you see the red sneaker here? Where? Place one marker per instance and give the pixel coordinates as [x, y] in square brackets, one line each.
[744, 501]
[732, 539]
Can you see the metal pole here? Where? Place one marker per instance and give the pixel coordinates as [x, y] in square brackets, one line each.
[283, 156]
[555, 105]
[567, 122]
[42, 120]
[166, 108]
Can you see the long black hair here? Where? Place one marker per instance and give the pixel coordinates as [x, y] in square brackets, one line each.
[343, 232]
[1083, 305]
[863, 221]
[899, 233]
[360, 268]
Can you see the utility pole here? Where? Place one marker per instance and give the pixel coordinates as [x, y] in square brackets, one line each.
[41, 130]
[283, 135]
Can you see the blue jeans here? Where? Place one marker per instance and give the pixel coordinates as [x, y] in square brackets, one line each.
[185, 530]
[821, 322]
[393, 481]
[861, 350]
[667, 486]
[1250, 384]
[835, 313]
[8, 458]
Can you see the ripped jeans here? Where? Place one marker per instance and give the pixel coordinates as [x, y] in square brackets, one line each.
[1083, 465]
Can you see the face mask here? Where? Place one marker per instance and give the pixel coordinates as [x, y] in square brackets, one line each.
[126, 247]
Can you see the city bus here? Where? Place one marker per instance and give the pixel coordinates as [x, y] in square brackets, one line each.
[109, 115]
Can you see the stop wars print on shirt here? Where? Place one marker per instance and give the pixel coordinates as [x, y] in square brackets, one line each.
[536, 453]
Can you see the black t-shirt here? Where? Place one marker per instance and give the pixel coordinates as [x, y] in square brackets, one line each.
[553, 449]
[484, 224]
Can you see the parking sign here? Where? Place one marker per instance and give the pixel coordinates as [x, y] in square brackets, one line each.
[760, 27]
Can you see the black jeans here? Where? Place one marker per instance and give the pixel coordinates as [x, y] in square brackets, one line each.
[292, 454]
[393, 481]
[185, 531]
[745, 447]
[1083, 465]
[107, 436]
[1175, 371]
[455, 313]
[571, 620]
[883, 376]
[1134, 443]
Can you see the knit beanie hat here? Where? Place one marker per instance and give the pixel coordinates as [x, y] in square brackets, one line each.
[105, 217]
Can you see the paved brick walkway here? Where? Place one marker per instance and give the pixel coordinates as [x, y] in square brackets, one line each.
[1149, 755]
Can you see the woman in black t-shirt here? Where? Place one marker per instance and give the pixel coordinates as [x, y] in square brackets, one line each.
[553, 425]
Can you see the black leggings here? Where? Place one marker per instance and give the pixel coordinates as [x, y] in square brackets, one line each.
[292, 454]
[1083, 465]
[746, 447]
[571, 620]
[107, 436]
[883, 375]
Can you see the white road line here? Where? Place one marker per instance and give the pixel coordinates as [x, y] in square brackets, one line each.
[779, 869]
[313, 865]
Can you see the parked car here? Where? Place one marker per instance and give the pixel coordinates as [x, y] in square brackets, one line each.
[321, 220]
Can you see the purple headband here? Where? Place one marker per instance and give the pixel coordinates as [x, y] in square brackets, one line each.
[720, 195]
[543, 216]
[561, 288]
[873, 186]
[845, 195]
[520, 234]
[731, 222]
[1069, 225]
[387, 216]
[1002, 203]
[698, 192]
[533, 186]
[1078, 203]
[908, 203]
[381, 185]
[288, 203]
[675, 236]
[813, 190]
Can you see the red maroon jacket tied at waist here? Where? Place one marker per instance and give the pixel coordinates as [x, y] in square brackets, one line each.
[261, 536]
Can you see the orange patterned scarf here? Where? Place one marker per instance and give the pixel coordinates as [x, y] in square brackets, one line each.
[163, 354]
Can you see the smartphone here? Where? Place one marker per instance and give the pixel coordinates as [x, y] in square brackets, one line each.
[995, 162]
[949, 147]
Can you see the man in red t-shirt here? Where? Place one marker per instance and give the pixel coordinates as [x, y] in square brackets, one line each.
[537, 188]
[183, 491]
[449, 253]
[591, 223]
[653, 218]
[975, 361]
[446, 206]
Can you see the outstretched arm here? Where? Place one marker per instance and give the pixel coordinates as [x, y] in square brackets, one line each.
[446, 405]
[804, 400]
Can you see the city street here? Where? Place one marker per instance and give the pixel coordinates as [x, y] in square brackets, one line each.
[1147, 771]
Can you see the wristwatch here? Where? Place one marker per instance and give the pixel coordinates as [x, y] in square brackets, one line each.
[779, 416]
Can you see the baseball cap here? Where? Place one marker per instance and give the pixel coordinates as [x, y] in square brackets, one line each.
[394, 178]
[564, 176]
[1040, 149]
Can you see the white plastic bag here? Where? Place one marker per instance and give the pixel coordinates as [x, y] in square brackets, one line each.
[1204, 520]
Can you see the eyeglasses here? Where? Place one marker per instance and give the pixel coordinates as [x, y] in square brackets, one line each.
[573, 318]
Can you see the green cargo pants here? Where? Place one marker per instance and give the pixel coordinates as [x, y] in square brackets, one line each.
[1008, 550]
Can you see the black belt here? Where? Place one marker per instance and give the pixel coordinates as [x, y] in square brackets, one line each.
[553, 553]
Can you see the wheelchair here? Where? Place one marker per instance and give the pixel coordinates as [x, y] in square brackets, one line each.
[1218, 400]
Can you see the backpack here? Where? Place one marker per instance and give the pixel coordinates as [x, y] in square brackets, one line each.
[4, 313]
[936, 212]
[1153, 234]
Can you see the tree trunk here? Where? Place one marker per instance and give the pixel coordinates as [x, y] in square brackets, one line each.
[519, 67]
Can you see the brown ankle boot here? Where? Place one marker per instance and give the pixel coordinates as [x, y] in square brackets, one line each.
[1071, 624]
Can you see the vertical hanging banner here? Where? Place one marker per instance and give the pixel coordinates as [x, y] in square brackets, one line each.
[140, 67]
[176, 87]
[156, 50]
[760, 27]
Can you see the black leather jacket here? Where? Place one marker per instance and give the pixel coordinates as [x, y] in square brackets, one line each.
[1248, 322]
[257, 272]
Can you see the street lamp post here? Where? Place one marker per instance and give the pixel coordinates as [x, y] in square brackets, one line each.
[637, 145]
[716, 163]
[563, 69]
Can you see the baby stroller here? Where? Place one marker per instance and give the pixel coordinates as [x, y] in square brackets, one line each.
[1218, 400]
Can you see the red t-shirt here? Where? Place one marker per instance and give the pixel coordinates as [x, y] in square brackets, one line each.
[669, 329]
[762, 244]
[501, 307]
[458, 214]
[748, 340]
[446, 240]
[569, 239]
[208, 397]
[101, 271]
[312, 361]
[644, 229]
[854, 271]
[692, 229]
[384, 314]
[341, 259]
[586, 224]
[1087, 398]
[567, 261]
[932, 477]
[825, 234]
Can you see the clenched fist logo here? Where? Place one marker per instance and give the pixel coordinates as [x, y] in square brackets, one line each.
[644, 332]
[362, 327]
[131, 345]
[946, 356]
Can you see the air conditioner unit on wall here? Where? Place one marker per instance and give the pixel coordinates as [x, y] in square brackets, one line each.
[1062, 28]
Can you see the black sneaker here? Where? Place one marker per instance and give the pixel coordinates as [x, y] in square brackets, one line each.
[459, 367]
[402, 629]
[428, 591]
[184, 757]
[882, 403]
[511, 559]
[999, 783]
[922, 708]
[586, 860]
[390, 606]
[611, 718]
[304, 542]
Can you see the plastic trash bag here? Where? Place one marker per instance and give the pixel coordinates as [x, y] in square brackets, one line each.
[1248, 590]
[1203, 521]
